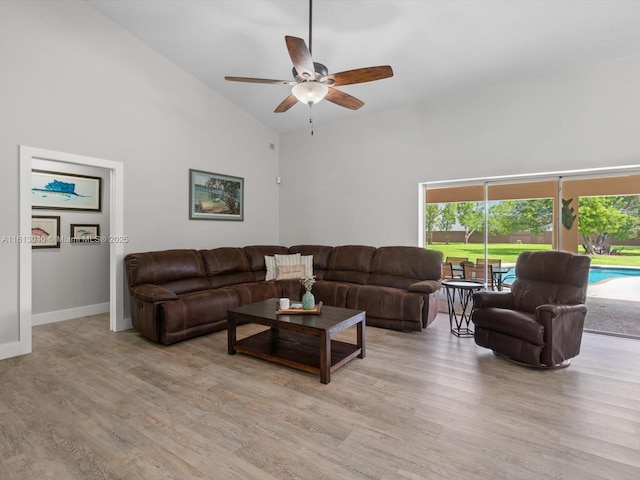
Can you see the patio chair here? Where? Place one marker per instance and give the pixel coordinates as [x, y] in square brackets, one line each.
[498, 271]
[456, 264]
[476, 273]
[447, 271]
[494, 262]
[540, 321]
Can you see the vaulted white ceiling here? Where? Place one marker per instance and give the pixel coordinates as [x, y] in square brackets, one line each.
[436, 47]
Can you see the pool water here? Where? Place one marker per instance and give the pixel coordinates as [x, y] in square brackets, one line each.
[598, 274]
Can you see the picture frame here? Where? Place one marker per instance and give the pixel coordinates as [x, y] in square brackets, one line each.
[45, 231]
[214, 196]
[65, 191]
[84, 233]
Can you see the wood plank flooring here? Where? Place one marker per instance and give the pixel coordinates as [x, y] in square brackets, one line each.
[90, 404]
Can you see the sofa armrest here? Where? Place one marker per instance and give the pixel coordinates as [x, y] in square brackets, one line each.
[425, 286]
[148, 292]
[487, 298]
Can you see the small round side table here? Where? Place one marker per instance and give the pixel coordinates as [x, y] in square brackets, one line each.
[465, 290]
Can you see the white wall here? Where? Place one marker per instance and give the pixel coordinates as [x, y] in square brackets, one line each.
[356, 181]
[72, 81]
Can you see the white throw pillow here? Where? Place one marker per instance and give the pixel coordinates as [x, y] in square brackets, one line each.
[287, 260]
[307, 261]
[270, 263]
[293, 259]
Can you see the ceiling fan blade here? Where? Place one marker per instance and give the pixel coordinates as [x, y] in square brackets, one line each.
[343, 99]
[286, 104]
[359, 75]
[301, 57]
[260, 80]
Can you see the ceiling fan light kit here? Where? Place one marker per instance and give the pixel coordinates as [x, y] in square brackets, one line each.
[310, 92]
[312, 80]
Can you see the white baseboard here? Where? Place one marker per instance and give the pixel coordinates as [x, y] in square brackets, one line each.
[13, 349]
[68, 314]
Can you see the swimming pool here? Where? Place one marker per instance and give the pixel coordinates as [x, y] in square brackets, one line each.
[598, 274]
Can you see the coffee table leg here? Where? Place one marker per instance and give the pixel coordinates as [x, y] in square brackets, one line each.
[360, 329]
[325, 358]
[231, 334]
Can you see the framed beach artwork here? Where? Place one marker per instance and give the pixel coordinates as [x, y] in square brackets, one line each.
[85, 233]
[45, 231]
[65, 191]
[213, 196]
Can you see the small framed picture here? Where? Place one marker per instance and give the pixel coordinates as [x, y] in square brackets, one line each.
[45, 231]
[213, 196]
[85, 233]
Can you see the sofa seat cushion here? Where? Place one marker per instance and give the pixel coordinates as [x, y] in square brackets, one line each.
[187, 285]
[512, 323]
[386, 302]
[198, 308]
[291, 288]
[257, 291]
[331, 293]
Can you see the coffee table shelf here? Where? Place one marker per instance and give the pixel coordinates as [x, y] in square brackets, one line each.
[295, 350]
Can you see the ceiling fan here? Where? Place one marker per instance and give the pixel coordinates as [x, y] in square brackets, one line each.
[312, 81]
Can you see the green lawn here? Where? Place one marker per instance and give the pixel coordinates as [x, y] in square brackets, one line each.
[629, 256]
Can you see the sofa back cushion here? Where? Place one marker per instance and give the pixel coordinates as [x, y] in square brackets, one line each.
[256, 254]
[350, 263]
[400, 267]
[181, 271]
[545, 277]
[320, 255]
[227, 266]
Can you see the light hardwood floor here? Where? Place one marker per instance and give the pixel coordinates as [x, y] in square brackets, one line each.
[90, 404]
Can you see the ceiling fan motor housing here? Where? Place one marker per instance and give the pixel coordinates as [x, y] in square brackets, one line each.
[319, 68]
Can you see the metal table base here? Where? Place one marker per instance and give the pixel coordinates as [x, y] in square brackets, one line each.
[465, 293]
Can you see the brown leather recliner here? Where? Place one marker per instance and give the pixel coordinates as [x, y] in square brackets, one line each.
[539, 322]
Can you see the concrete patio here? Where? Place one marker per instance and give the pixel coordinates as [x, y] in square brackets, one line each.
[614, 307]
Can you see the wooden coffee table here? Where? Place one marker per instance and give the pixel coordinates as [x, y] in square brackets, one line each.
[299, 341]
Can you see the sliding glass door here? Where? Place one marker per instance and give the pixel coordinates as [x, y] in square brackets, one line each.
[520, 216]
[491, 222]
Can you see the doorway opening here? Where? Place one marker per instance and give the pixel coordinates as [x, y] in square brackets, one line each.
[28, 155]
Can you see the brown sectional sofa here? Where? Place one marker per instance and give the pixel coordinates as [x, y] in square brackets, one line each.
[179, 294]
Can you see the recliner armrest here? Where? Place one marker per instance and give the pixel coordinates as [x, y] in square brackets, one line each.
[555, 310]
[486, 299]
[148, 292]
[425, 286]
[563, 326]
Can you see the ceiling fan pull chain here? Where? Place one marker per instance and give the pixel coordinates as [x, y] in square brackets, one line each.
[311, 118]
